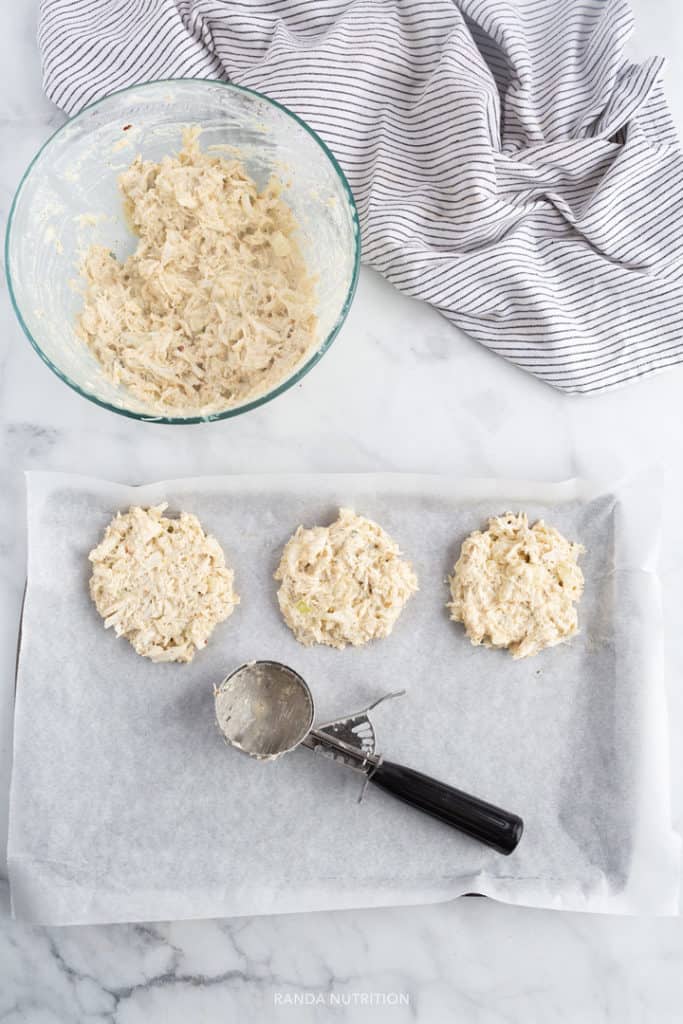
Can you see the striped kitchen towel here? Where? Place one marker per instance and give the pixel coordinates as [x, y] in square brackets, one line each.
[510, 165]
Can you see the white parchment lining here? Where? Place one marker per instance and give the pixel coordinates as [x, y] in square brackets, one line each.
[127, 805]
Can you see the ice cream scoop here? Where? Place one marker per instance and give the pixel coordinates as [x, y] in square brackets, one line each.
[266, 709]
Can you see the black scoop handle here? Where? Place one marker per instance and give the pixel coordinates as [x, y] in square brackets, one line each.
[491, 825]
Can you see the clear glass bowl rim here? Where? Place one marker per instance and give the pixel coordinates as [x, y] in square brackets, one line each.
[262, 399]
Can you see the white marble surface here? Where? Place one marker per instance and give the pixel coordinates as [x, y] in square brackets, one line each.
[399, 390]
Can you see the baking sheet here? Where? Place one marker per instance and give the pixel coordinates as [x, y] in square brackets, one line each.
[127, 805]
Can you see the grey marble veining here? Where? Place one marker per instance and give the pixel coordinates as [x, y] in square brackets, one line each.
[399, 390]
[466, 961]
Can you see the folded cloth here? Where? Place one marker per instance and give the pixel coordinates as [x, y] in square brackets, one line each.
[510, 165]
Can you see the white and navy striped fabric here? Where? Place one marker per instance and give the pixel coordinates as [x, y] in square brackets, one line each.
[510, 165]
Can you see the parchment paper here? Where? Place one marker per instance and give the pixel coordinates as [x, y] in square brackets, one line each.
[127, 805]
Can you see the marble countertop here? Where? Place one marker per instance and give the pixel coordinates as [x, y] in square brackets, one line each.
[399, 390]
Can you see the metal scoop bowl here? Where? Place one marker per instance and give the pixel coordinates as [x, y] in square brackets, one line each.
[265, 709]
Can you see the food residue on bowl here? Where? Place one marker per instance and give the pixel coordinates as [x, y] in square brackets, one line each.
[216, 305]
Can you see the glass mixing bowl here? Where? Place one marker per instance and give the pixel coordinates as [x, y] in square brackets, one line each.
[68, 199]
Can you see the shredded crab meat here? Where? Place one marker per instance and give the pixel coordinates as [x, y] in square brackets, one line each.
[215, 306]
[516, 586]
[162, 583]
[343, 584]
